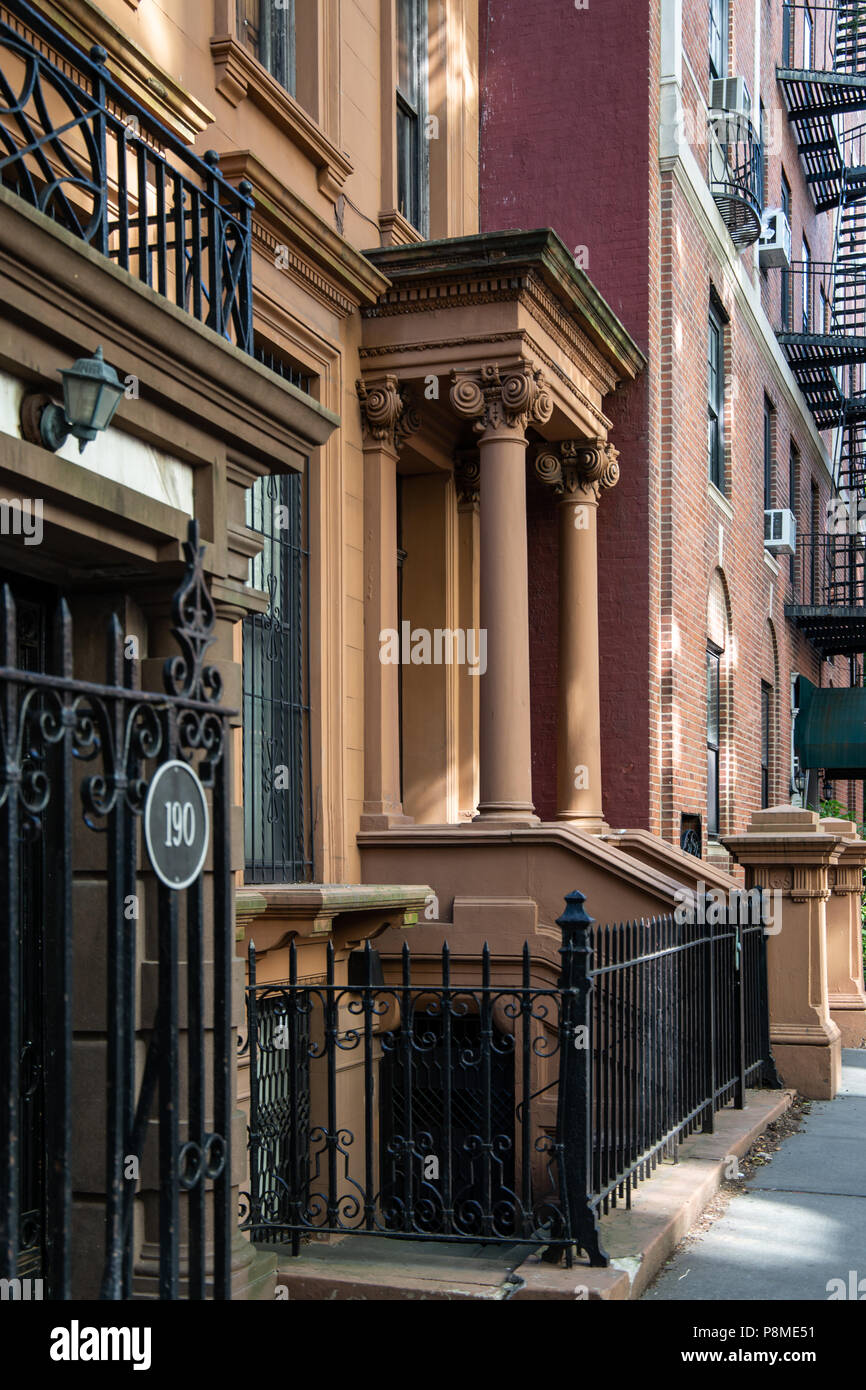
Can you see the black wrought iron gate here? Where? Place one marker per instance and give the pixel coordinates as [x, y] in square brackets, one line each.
[70, 750]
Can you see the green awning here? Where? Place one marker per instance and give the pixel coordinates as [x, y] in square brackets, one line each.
[830, 729]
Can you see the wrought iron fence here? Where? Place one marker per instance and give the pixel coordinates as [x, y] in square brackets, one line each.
[439, 1105]
[71, 748]
[79, 148]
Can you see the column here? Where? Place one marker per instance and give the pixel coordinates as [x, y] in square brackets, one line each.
[387, 420]
[787, 852]
[502, 405]
[844, 942]
[578, 473]
[467, 481]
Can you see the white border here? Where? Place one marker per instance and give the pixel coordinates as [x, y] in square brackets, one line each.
[176, 762]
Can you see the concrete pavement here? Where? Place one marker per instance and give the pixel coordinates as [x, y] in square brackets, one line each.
[800, 1223]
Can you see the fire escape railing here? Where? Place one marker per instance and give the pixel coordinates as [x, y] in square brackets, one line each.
[822, 327]
[76, 146]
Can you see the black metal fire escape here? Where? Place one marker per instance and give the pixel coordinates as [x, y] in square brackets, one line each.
[823, 328]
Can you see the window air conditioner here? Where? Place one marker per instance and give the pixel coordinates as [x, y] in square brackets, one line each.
[774, 247]
[780, 531]
[732, 95]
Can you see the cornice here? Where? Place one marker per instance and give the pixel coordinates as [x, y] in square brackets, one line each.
[499, 264]
[239, 77]
[142, 77]
[319, 258]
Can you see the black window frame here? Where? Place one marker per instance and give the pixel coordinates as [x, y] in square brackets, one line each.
[718, 40]
[766, 742]
[716, 397]
[714, 739]
[768, 452]
[268, 31]
[411, 95]
[785, 283]
[793, 485]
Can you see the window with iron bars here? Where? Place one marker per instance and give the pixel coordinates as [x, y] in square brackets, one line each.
[267, 29]
[276, 711]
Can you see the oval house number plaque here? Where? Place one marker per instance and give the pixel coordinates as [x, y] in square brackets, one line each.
[176, 825]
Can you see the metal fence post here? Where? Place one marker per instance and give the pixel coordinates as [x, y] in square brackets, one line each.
[708, 1125]
[739, 1014]
[574, 1100]
[769, 1075]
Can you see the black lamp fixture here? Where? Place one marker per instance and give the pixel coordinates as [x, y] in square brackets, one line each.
[92, 391]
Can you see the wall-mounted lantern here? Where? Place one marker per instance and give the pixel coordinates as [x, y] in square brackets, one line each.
[92, 391]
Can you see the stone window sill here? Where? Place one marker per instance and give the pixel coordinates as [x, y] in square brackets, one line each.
[239, 77]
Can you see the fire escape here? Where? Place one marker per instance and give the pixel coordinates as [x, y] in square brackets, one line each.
[823, 310]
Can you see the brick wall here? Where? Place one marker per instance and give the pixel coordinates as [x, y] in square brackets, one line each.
[569, 139]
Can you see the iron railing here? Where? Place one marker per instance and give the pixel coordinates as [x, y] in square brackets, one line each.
[735, 174]
[829, 569]
[79, 148]
[515, 1111]
[824, 38]
[53, 727]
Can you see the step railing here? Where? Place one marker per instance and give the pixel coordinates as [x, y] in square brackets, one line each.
[439, 1099]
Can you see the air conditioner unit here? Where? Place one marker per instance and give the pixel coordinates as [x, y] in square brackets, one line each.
[732, 95]
[780, 531]
[774, 247]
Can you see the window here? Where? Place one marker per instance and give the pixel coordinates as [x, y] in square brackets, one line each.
[762, 162]
[718, 38]
[786, 274]
[814, 522]
[808, 46]
[716, 399]
[768, 454]
[807, 287]
[276, 723]
[766, 709]
[713, 738]
[793, 483]
[787, 57]
[412, 147]
[267, 29]
[824, 316]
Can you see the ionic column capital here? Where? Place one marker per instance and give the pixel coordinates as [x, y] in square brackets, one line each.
[578, 467]
[387, 414]
[513, 400]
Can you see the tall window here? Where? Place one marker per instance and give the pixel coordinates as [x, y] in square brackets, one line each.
[716, 399]
[412, 146]
[807, 287]
[793, 484]
[714, 721]
[814, 523]
[764, 154]
[808, 44]
[718, 38]
[766, 709]
[768, 454]
[785, 199]
[268, 30]
[276, 733]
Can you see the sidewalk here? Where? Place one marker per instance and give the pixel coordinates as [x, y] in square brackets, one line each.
[802, 1221]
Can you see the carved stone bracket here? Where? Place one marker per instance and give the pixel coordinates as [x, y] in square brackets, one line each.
[467, 479]
[575, 466]
[512, 400]
[387, 414]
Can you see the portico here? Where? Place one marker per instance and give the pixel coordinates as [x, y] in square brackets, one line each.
[485, 356]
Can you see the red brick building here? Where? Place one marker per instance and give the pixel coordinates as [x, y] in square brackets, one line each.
[605, 124]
